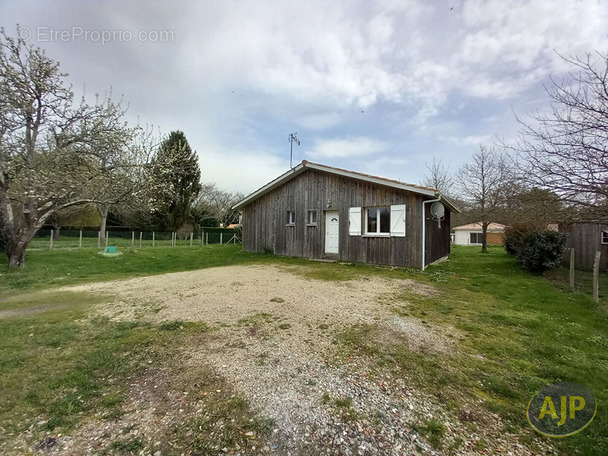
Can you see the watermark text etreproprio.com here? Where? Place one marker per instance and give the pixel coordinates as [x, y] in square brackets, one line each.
[45, 34]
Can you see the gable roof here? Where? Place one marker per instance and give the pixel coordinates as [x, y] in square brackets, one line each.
[477, 226]
[305, 165]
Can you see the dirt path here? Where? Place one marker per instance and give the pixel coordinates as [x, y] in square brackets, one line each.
[24, 312]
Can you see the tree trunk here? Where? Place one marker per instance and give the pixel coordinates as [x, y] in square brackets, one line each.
[16, 255]
[103, 212]
[484, 238]
[56, 232]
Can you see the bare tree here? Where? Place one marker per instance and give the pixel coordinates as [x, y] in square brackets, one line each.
[566, 150]
[123, 162]
[482, 185]
[438, 176]
[217, 204]
[47, 161]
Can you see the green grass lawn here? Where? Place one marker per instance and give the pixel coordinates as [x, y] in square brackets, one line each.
[49, 268]
[516, 333]
[529, 332]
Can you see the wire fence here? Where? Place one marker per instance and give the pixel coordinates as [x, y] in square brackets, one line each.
[69, 238]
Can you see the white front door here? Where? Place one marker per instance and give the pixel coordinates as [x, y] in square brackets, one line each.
[332, 231]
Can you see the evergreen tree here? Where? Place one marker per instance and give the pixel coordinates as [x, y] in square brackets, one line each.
[176, 182]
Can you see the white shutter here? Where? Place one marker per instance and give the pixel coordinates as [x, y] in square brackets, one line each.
[354, 221]
[398, 220]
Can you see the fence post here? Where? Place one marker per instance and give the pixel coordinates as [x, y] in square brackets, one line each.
[596, 277]
[174, 239]
[202, 236]
[51, 241]
[152, 238]
[140, 238]
[191, 236]
[207, 238]
[221, 238]
[132, 238]
[107, 237]
[572, 268]
[80, 242]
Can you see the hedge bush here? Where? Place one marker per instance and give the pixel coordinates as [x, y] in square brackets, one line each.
[514, 237]
[541, 250]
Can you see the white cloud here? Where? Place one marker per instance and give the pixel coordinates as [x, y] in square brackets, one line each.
[240, 76]
[239, 170]
[347, 148]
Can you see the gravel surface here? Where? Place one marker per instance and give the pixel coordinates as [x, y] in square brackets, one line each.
[273, 340]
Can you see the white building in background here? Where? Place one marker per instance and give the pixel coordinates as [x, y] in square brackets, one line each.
[471, 234]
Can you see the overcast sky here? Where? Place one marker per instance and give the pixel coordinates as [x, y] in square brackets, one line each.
[373, 86]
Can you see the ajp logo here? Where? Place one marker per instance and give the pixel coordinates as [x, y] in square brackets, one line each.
[562, 409]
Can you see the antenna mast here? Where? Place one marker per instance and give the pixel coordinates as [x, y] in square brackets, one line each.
[292, 138]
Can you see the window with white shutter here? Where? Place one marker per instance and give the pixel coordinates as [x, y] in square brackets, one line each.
[398, 220]
[354, 221]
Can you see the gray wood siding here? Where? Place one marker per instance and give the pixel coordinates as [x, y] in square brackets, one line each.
[265, 221]
[437, 239]
[586, 238]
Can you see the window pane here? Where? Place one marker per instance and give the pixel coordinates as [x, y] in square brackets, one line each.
[372, 220]
[385, 220]
[312, 217]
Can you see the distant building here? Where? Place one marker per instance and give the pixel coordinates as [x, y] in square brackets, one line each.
[471, 234]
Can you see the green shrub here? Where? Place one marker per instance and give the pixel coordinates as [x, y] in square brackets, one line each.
[541, 250]
[514, 236]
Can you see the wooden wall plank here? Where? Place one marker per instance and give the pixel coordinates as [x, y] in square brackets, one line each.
[265, 220]
[586, 238]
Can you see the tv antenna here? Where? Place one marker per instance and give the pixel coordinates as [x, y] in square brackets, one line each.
[292, 138]
[438, 212]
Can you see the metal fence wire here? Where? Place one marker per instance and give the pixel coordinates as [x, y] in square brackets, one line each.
[48, 238]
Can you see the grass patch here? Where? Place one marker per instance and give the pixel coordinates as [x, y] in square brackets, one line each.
[124, 446]
[225, 422]
[51, 268]
[434, 431]
[60, 367]
[258, 319]
[344, 402]
[516, 334]
[56, 365]
[358, 338]
[172, 325]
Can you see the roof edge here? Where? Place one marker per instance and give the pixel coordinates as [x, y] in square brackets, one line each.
[300, 168]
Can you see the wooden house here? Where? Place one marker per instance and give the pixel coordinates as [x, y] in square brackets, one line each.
[586, 238]
[317, 211]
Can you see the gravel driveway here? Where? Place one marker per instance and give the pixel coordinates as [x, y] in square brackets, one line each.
[273, 338]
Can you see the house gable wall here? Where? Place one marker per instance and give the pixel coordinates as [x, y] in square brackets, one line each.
[265, 220]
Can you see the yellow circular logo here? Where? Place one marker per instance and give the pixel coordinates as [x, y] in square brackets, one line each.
[562, 409]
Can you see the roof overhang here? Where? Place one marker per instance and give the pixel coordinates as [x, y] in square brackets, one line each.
[299, 169]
